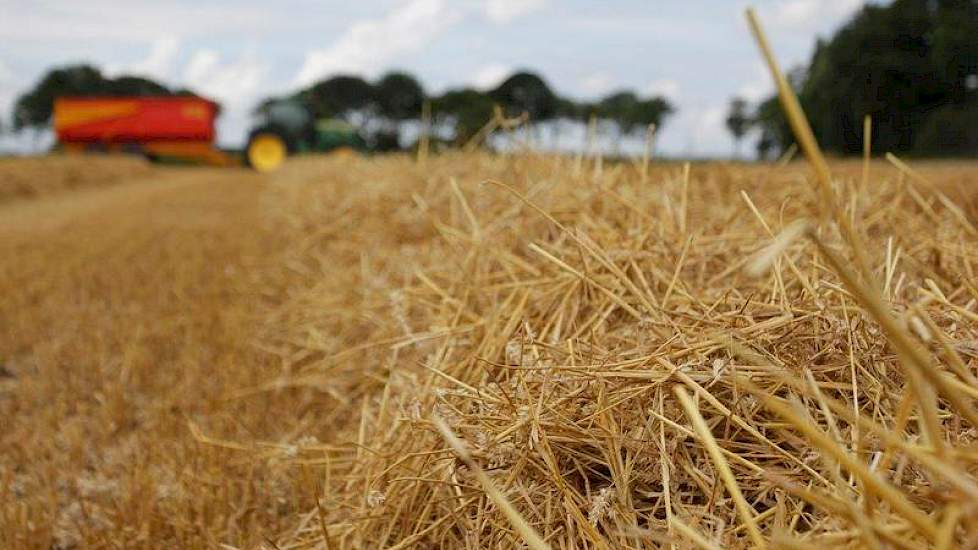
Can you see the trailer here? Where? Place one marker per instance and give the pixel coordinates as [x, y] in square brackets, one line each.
[182, 128]
[168, 127]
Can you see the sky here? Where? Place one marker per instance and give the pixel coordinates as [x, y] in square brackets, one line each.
[697, 53]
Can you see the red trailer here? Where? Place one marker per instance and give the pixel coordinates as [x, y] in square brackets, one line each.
[175, 126]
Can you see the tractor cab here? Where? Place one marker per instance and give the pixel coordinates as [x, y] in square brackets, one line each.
[286, 127]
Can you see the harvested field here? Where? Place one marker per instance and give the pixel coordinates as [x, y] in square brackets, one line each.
[492, 351]
[25, 177]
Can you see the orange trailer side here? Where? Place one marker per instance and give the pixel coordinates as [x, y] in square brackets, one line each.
[178, 127]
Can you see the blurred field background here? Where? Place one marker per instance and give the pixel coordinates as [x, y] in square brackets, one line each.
[193, 356]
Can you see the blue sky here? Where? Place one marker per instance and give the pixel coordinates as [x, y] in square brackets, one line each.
[698, 53]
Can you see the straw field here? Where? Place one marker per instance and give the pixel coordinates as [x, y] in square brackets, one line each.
[33, 177]
[493, 352]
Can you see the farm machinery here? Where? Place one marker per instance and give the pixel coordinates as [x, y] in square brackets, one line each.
[179, 127]
[287, 127]
[182, 128]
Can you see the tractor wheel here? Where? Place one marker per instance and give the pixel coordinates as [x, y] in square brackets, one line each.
[266, 151]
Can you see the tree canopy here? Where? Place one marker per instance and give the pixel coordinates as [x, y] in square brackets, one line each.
[525, 92]
[397, 97]
[738, 120]
[911, 65]
[338, 96]
[35, 107]
[621, 107]
[629, 113]
[466, 110]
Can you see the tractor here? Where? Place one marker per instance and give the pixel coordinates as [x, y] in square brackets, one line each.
[286, 126]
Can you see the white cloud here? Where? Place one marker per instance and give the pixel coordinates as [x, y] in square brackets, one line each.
[596, 83]
[490, 76]
[237, 81]
[505, 11]
[665, 87]
[755, 91]
[798, 14]
[370, 45]
[697, 129]
[759, 86]
[236, 84]
[201, 67]
[710, 125]
[158, 63]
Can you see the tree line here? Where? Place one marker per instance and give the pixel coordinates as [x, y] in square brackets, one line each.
[380, 108]
[383, 106]
[912, 66]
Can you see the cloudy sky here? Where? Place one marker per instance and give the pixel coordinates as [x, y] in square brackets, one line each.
[698, 53]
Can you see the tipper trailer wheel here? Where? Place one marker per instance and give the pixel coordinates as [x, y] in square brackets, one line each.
[266, 151]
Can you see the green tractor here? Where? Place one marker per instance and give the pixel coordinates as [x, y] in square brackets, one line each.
[286, 127]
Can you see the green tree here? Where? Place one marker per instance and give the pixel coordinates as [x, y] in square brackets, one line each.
[775, 134]
[629, 113]
[949, 130]
[526, 92]
[574, 110]
[465, 110]
[138, 86]
[738, 122]
[765, 144]
[399, 97]
[35, 107]
[620, 108]
[906, 64]
[342, 96]
[653, 110]
[879, 64]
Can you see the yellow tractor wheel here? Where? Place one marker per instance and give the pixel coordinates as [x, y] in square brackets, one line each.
[266, 152]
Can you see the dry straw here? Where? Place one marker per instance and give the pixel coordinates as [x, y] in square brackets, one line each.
[630, 364]
[644, 355]
[571, 319]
